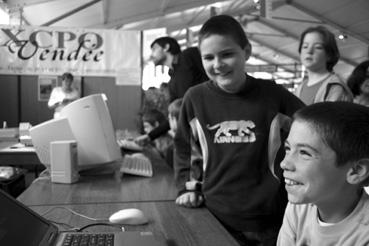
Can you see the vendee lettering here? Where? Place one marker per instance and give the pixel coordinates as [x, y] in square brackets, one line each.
[51, 45]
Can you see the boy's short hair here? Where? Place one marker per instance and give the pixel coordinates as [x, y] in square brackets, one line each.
[174, 47]
[68, 76]
[329, 44]
[224, 25]
[152, 116]
[357, 77]
[175, 107]
[343, 126]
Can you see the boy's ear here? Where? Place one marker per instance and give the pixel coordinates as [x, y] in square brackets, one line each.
[247, 50]
[166, 47]
[359, 172]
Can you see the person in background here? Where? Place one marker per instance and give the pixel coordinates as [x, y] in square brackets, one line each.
[319, 54]
[234, 120]
[326, 167]
[173, 116]
[155, 98]
[185, 70]
[151, 119]
[164, 89]
[63, 95]
[174, 110]
[358, 82]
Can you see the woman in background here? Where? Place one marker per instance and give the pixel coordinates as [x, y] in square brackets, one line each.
[359, 83]
[319, 54]
[63, 95]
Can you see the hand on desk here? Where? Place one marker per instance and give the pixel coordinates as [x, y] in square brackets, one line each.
[142, 140]
[61, 103]
[67, 101]
[190, 199]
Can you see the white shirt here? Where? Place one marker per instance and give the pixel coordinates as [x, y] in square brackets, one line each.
[58, 95]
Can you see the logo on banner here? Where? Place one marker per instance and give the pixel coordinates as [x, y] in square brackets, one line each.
[234, 132]
[48, 45]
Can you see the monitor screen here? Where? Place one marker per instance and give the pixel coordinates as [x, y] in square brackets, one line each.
[86, 120]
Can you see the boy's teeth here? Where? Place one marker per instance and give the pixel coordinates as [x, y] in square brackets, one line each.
[291, 182]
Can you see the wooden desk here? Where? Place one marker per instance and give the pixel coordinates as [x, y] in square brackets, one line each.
[20, 157]
[17, 156]
[176, 226]
[100, 196]
[105, 188]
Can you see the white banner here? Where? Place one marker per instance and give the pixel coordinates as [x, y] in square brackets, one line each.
[83, 52]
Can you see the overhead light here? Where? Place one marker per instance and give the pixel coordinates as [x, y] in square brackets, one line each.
[4, 17]
[342, 36]
[256, 1]
[216, 5]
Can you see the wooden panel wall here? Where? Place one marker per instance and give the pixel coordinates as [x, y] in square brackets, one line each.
[32, 110]
[124, 102]
[9, 100]
[19, 100]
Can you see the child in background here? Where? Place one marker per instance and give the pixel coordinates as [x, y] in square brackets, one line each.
[232, 118]
[196, 159]
[325, 169]
[319, 54]
[358, 82]
[151, 119]
[173, 115]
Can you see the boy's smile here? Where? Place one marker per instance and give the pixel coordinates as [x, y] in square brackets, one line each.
[224, 62]
[310, 170]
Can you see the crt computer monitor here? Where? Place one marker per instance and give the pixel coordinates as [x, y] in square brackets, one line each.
[86, 120]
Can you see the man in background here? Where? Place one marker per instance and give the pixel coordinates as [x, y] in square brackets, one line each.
[185, 71]
[63, 95]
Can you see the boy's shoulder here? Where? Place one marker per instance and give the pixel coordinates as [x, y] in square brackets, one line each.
[309, 211]
[267, 87]
[301, 211]
[262, 82]
[199, 88]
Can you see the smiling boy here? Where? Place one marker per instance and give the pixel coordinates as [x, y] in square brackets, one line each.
[325, 169]
[231, 118]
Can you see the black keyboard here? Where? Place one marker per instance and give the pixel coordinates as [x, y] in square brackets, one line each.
[89, 239]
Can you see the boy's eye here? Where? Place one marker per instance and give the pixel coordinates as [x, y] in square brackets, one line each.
[227, 54]
[207, 58]
[286, 148]
[305, 153]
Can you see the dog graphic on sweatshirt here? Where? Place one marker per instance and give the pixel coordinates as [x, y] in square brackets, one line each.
[234, 131]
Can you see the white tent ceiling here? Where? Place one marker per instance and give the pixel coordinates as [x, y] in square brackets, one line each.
[274, 36]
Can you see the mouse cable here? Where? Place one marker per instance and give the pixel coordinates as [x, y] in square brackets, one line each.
[100, 224]
[64, 225]
[69, 228]
[75, 213]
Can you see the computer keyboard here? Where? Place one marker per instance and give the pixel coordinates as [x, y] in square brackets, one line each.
[137, 164]
[8, 133]
[129, 144]
[89, 239]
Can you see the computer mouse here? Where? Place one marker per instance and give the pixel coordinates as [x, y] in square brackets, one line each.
[129, 216]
